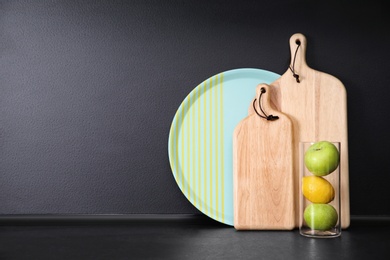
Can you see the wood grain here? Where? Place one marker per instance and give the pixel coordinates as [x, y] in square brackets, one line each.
[317, 106]
[263, 171]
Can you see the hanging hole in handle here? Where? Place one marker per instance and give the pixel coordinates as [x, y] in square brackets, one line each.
[298, 42]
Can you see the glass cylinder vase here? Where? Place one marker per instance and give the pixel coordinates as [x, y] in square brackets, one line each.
[319, 185]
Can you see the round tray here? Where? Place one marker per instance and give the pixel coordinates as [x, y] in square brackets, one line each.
[201, 135]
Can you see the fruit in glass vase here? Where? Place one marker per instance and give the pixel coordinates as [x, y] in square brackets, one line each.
[322, 158]
[317, 189]
[320, 216]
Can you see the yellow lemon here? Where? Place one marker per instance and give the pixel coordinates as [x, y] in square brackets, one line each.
[317, 189]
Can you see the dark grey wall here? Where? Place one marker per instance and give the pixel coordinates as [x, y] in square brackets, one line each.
[88, 90]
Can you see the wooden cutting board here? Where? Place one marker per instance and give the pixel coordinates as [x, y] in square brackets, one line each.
[263, 169]
[317, 106]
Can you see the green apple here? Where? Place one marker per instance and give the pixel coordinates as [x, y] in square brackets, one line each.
[322, 158]
[320, 216]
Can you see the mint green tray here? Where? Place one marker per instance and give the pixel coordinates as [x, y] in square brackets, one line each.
[201, 136]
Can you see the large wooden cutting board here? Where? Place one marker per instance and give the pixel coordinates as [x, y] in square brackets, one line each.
[317, 106]
[263, 170]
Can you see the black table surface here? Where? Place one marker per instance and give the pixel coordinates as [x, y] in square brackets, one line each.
[180, 237]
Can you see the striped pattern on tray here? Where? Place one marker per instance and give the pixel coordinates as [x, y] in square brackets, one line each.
[200, 139]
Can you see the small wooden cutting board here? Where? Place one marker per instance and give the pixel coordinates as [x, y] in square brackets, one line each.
[263, 169]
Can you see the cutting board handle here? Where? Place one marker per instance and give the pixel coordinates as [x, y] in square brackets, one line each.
[263, 97]
[298, 46]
